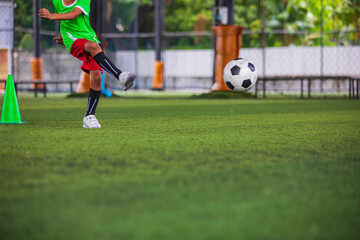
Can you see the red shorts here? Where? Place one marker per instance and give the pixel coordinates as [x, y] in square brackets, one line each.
[77, 50]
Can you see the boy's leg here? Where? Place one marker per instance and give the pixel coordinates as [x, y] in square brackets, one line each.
[95, 89]
[93, 49]
[95, 80]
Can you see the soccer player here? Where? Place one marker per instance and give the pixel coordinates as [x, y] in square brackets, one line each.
[81, 41]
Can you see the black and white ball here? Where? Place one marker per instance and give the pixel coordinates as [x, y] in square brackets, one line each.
[240, 75]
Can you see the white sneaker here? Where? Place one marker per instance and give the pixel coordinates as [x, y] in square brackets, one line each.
[91, 122]
[127, 80]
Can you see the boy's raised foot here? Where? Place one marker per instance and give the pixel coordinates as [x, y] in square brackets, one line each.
[127, 80]
[91, 122]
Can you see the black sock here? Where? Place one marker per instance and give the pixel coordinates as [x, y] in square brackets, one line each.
[93, 101]
[106, 64]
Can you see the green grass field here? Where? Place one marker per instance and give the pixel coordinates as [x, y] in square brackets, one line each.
[168, 169]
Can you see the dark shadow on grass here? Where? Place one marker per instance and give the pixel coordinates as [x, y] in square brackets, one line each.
[85, 95]
[209, 95]
[218, 95]
[223, 95]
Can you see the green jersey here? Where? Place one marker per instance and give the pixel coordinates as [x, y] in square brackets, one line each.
[78, 28]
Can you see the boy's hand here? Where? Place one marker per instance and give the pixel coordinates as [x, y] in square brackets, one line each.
[44, 13]
[59, 40]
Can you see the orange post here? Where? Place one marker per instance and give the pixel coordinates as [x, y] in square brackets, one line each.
[4, 67]
[228, 44]
[84, 83]
[37, 71]
[158, 82]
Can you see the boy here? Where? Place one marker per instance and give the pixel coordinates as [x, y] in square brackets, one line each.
[82, 43]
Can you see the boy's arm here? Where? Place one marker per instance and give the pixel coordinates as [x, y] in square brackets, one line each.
[59, 40]
[44, 13]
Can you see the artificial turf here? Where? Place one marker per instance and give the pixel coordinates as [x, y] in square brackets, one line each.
[182, 169]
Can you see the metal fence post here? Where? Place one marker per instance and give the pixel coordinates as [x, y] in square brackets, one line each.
[136, 41]
[158, 29]
[349, 88]
[322, 48]
[44, 90]
[353, 87]
[256, 89]
[263, 36]
[36, 26]
[36, 89]
[264, 88]
[13, 39]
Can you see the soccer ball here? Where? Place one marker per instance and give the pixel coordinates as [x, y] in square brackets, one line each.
[240, 75]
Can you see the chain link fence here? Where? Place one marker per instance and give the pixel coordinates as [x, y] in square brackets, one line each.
[6, 40]
[279, 45]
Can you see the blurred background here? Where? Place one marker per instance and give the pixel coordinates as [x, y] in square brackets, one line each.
[282, 38]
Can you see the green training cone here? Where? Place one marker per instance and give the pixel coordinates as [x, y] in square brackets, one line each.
[10, 111]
